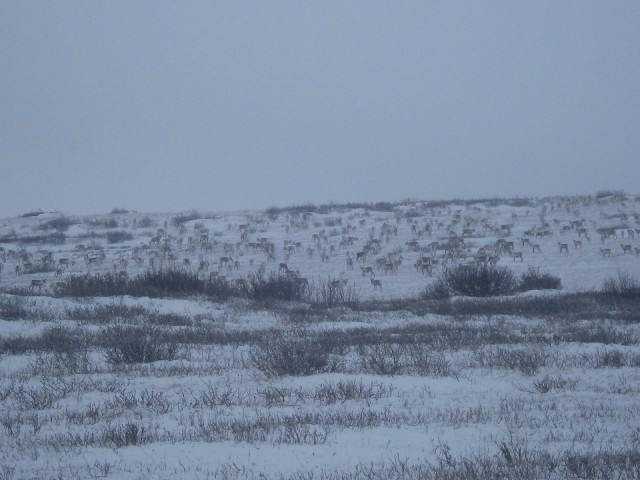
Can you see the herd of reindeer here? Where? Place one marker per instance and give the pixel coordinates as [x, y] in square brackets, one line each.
[345, 244]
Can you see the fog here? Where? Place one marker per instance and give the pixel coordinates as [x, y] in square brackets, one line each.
[169, 106]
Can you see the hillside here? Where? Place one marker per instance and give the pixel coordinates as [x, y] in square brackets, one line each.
[323, 342]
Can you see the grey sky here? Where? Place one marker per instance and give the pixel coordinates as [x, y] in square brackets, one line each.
[167, 106]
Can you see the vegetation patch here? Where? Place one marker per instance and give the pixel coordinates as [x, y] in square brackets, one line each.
[297, 355]
[119, 236]
[480, 280]
[533, 279]
[131, 344]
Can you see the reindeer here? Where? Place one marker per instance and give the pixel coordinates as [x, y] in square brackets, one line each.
[366, 271]
[376, 283]
[606, 252]
[493, 259]
[39, 283]
[338, 283]
[564, 247]
[626, 248]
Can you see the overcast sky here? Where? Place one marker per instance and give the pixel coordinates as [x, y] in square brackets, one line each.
[168, 106]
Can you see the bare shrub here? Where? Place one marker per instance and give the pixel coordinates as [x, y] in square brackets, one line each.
[32, 214]
[624, 286]
[13, 308]
[528, 360]
[169, 281]
[333, 293]
[381, 359]
[331, 393]
[278, 287]
[106, 313]
[407, 357]
[127, 345]
[296, 355]
[278, 396]
[181, 219]
[437, 290]
[106, 284]
[102, 222]
[67, 363]
[147, 399]
[216, 395]
[301, 434]
[615, 358]
[45, 395]
[548, 383]
[480, 280]
[61, 224]
[123, 435]
[62, 340]
[533, 279]
[614, 194]
[146, 222]
[119, 236]
[424, 361]
[171, 319]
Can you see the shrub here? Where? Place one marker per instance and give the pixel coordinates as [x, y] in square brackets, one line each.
[532, 279]
[104, 222]
[185, 217]
[615, 194]
[169, 281]
[105, 313]
[13, 308]
[296, 355]
[11, 237]
[61, 340]
[623, 286]
[127, 345]
[437, 290]
[278, 287]
[172, 283]
[39, 268]
[119, 236]
[381, 359]
[56, 238]
[146, 222]
[61, 224]
[105, 284]
[119, 211]
[31, 214]
[331, 393]
[332, 293]
[124, 435]
[527, 360]
[480, 280]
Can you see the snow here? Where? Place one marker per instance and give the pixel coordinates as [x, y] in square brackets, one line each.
[468, 412]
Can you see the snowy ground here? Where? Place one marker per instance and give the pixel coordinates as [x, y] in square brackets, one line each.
[397, 390]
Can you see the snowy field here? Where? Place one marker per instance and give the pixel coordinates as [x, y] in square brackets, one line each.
[386, 385]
